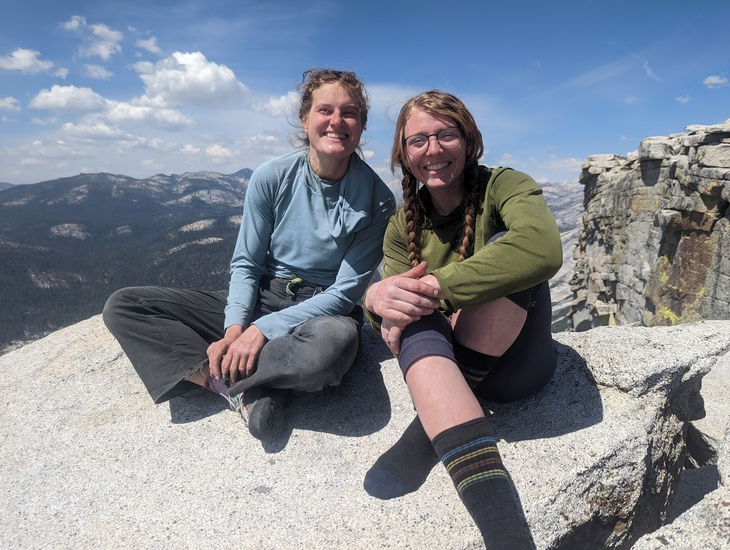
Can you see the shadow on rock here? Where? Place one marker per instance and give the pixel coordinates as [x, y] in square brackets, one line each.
[568, 403]
[195, 406]
[358, 406]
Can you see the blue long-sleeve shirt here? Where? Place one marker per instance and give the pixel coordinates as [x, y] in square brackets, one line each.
[295, 223]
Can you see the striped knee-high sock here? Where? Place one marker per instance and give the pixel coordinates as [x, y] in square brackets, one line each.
[470, 455]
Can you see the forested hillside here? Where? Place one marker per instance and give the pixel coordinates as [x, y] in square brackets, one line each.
[67, 244]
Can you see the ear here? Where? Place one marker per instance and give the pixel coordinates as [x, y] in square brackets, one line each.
[305, 125]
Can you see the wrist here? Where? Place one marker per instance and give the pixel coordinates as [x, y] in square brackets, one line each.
[368, 300]
[233, 332]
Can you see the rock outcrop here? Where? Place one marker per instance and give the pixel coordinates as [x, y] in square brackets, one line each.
[655, 244]
[705, 525]
[86, 459]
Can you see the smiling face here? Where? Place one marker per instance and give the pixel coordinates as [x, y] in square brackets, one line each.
[440, 170]
[333, 128]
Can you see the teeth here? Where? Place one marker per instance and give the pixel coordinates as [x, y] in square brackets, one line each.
[438, 166]
[335, 136]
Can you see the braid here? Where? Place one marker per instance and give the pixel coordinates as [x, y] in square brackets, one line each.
[471, 200]
[412, 209]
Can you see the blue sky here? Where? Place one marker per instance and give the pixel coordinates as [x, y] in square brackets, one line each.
[140, 88]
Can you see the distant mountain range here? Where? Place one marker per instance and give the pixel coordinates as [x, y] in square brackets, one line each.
[67, 244]
[566, 203]
[5, 185]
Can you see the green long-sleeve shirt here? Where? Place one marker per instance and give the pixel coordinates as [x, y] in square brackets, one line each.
[530, 252]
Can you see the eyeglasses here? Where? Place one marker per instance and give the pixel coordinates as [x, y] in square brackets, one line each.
[448, 138]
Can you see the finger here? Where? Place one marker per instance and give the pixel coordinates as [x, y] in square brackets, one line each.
[417, 306]
[250, 367]
[395, 335]
[424, 291]
[226, 366]
[233, 373]
[416, 272]
[214, 366]
[213, 361]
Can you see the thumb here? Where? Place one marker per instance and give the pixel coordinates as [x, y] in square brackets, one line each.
[416, 272]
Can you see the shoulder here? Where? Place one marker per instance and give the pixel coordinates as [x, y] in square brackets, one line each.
[362, 170]
[397, 221]
[505, 175]
[365, 191]
[276, 169]
[504, 180]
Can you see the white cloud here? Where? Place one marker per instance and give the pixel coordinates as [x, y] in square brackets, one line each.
[68, 98]
[98, 72]
[566, 163]
[285, 105]
[75, 23]
[190, 78]
[683, 99]
[715, 81]
[647, 69]
[93, 131]
[159, 145]
[9, 104]
[631, 100]
[62, 72]
[368, 154]
[149, 44]
[598, 74]
[105, 42]
[145, 115]
[25, 61]
[218, 152]
[138, 112]
[44, 121]
[506, 160]
[260, 139]
[30, 162]
[151, 163]
[190, 150]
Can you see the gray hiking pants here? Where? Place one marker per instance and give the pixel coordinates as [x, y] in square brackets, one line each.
[165, 333]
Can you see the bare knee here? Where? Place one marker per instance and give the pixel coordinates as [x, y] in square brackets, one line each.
[490, 328]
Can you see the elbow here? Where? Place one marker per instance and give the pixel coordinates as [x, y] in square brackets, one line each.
[554, 259]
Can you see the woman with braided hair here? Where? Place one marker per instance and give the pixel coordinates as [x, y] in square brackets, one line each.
[465, 305]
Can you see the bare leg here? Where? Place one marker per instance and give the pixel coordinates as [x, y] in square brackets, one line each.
[454, 420]
[200, 377]
[440, 394]
[490, 328]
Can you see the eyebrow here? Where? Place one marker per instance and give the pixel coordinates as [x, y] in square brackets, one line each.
[345, 106]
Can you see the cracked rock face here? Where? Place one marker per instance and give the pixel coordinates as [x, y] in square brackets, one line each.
[655, 244]
[706, 525]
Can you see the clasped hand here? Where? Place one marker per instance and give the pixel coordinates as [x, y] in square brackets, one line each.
[234, 357]
[402, 299]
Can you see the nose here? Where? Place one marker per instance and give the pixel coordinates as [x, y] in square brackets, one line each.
[433, 140]
[336, 117]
